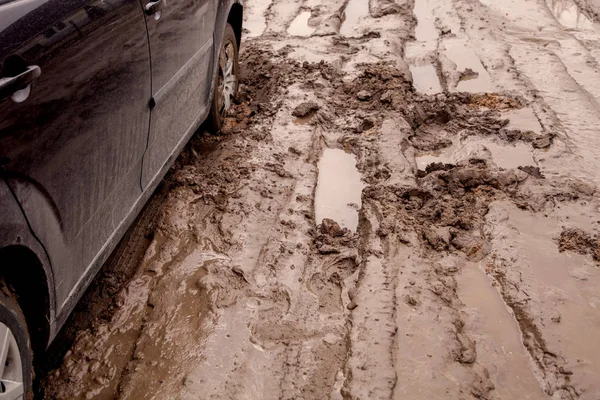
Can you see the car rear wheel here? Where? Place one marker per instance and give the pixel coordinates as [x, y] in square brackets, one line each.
[16, 369]
[226, 85]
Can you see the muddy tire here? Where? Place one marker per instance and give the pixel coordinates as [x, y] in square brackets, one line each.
[226, 81]
[15, 348]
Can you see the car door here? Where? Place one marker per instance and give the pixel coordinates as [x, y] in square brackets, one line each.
[72, 141]
[181, 37]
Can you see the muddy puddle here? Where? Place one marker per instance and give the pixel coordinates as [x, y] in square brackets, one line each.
[563, 285]
[569, 15]
[163, 310]
[473, 77]
[498, 337]
[425, 30]
[442, 155]
[425, 33]
[255, 22]
[354, 11]
[299, 26]
[523, 119]
[508, 156]
[303, 120]
[339, 188]
[425, 79]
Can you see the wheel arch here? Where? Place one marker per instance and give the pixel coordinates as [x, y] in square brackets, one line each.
[23, 273]
[235, 18]
[25, 268]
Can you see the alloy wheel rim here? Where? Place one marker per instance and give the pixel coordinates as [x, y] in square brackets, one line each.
[11, 366]
[227, 78]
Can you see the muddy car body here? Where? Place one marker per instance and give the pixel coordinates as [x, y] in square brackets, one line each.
[97, 98]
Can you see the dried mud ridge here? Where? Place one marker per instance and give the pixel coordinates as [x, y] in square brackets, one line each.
[321, 307]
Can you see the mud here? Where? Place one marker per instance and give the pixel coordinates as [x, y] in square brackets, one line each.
[365, 229]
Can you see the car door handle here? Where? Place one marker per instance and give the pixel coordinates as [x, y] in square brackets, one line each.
[12, 84]
[153, 7]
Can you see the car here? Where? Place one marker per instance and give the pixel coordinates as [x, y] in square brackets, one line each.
[97, 99]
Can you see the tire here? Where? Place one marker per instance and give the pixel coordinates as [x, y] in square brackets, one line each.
[226, 82]
[12, 317]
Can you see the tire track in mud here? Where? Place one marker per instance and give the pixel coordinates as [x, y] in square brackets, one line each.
[251, 297]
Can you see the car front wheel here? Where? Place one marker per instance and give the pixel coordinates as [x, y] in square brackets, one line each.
[16, 369]
[226, 85]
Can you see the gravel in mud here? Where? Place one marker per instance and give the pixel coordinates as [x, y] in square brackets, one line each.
[402, 205]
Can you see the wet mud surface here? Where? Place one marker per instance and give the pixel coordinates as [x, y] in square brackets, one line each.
[399, 206]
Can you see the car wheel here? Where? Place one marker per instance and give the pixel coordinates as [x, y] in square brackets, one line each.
[226, 84]
[16, 366]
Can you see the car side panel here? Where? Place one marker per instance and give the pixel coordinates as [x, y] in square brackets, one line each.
[14, 231]
[181, 48]
[72, 152]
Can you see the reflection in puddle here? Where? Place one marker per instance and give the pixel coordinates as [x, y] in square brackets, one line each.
[568, 14]
[425, 29]
[355, 10]
[506, 156]
[461, 53]
[339, 189]
[425, 79]
[299, 26]
[523, 119]
[497, 336]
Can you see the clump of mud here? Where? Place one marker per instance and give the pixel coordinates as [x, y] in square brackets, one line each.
[450, 202]
[435, 119]
[581, 242]
[330, 238]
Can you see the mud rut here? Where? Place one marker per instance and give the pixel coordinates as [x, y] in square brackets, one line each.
[472, 271]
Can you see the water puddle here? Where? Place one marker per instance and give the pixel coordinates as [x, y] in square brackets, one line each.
[425, 79]
[438, 156]
[569, 15]
[355, 10]
[510, 155]
[477, 80]
[303, 120]
[523, 119]
[506, 156]
[256, 22]
[339, 189]
[425, 30]
[497, 336]
[299, 26]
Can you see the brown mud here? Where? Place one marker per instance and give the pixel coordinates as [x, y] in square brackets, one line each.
[359, 232]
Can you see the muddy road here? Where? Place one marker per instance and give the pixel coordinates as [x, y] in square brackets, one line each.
[403, 205]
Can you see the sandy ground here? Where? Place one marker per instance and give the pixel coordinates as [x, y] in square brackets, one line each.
[402, 206]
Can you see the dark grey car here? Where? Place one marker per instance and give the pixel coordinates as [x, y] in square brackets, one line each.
[97, 98]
